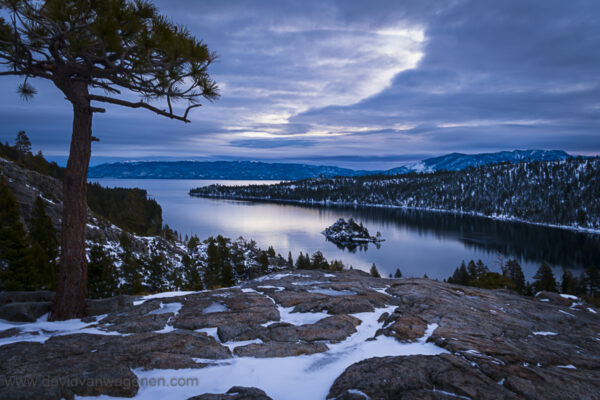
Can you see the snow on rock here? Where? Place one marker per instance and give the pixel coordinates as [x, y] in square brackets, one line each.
[545, 333]
[166, 308]
[215, 308]
[286, 377]
[160, 296]
[42, 329]
[569, 296]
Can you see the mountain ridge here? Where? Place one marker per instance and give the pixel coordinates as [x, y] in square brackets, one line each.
[258, 170]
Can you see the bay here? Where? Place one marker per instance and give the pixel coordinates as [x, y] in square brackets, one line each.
[416, 242]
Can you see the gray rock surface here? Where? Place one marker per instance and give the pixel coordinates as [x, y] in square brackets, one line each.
[499, 345]
[235, 393]
[24, 312]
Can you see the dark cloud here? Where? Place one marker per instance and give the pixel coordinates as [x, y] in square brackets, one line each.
[364, 83]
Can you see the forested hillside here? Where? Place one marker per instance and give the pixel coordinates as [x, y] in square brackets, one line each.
[557, 192]
[130, 209]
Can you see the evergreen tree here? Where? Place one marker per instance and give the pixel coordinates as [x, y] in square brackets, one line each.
[592, 280]
[472, 269]
[290, 260]
[398, 274]
[92, 51]
[227, 277]
[211, 272]
[336, 265]
[318, 261]
[461, 276]
[16, 271]
[131, 268]
[193, 243]
[544, 279]
[568, 282]
[192, 277]
[103, 278]
[45, 245]
[513, 271]
[303, 262]
[263, 261]
[271, 251]
[154, 264]
[374, 272]
[22, 145]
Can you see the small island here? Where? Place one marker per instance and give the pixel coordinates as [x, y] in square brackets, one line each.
[349, 233]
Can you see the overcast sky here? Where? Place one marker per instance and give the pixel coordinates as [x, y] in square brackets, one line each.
[363, 84]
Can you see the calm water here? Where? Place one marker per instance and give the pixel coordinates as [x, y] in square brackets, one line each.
[417, 242]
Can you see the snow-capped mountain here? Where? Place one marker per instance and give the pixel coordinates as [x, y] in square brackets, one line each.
[459, 161]
[255, 170]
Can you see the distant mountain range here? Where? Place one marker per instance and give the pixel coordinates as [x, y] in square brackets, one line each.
[254, 170]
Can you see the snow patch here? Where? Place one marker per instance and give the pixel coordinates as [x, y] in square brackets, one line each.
[160, 296]
[210, 332]
[542, 333]
[166, 308]
[331, 292]
[287, 377]
[42, 329]
[215, 308]
[568, 296]
[569, 366]
[286, 314]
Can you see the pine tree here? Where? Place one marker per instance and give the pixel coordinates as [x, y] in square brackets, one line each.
[513, 271]
[227, 277]
[336, 265]
[211, 272]
[93, 51]
[155, 266]
[191, 274]
[131, 268]
[461, 276]
[303, 262]
[193, 243]
[16, 271]
[567, 284]
[398, 274]
[263, 261]
[103, 278]
[44, 244]
[592, 280]
[318, 261]
[22, 145]
[290, 260]
[544, 279]
[374, 272]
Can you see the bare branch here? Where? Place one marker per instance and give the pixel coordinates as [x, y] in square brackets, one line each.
[141, 104]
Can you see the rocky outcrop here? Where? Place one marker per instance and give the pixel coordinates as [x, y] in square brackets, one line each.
[235, 393]
[489, 344]
[279, 349]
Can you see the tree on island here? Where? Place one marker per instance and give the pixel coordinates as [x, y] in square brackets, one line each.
[86, 46]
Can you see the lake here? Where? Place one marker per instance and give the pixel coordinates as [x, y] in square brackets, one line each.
[417, 242]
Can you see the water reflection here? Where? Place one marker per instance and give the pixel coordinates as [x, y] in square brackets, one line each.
[417, 242]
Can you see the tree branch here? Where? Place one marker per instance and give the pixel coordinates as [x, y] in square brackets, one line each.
[141, 104]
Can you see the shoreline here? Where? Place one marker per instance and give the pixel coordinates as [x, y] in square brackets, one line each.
[369, 205]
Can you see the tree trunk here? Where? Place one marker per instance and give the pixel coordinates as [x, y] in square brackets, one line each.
[72, 277]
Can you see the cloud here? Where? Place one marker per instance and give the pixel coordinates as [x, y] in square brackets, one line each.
[375, 82]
